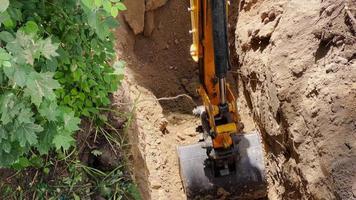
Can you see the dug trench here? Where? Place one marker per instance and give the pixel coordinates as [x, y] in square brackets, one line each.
[160, 89]
[294, 66]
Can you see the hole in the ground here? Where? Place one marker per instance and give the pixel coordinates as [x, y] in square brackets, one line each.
[260, 43]
[162, 64]
[322, 51]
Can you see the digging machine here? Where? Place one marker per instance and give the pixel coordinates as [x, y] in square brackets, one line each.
[227, 162]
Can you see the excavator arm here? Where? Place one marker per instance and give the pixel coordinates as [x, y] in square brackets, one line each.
[227, 158]
[217, 96]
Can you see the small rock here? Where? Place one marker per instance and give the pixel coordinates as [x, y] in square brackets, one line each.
[135, 15]
[298, 138]
[266, 20]
[329, 10]
[272, 15]
[156, 185]
[341, 60]
[176, 41]
[264, 15]
[331, 68]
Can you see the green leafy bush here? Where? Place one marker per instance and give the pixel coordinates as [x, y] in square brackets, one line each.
[54, 67]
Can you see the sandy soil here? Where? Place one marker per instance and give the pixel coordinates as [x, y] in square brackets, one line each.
[298, 75]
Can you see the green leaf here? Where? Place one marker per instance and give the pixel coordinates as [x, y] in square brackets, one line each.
[21, 163]
[4, 4]
[45, 138]
[25, 116]
[6, 36]
[70, 122]
[6, 146]
[9, 23]
[23, 48]
[30, 27]
[49, 110]
[48, 49]
[10, 107]
[76, 197]
[25, 133]
[120, 6]
[107, 6]
[41, 85]
[4, 56]
[63, 141]
[17, 74]
[93, 20]
[46, 170]
[114, 12]
[36, 161]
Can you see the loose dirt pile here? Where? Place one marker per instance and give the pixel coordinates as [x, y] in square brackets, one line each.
[298, 75]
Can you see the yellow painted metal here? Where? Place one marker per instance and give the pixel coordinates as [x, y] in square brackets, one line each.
[196, 29]
[223, 140]
[226, 128]
[223, 135]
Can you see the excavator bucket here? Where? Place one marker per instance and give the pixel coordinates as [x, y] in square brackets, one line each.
[248, 181]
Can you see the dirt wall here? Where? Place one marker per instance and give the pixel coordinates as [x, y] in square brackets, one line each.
[297, 73]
